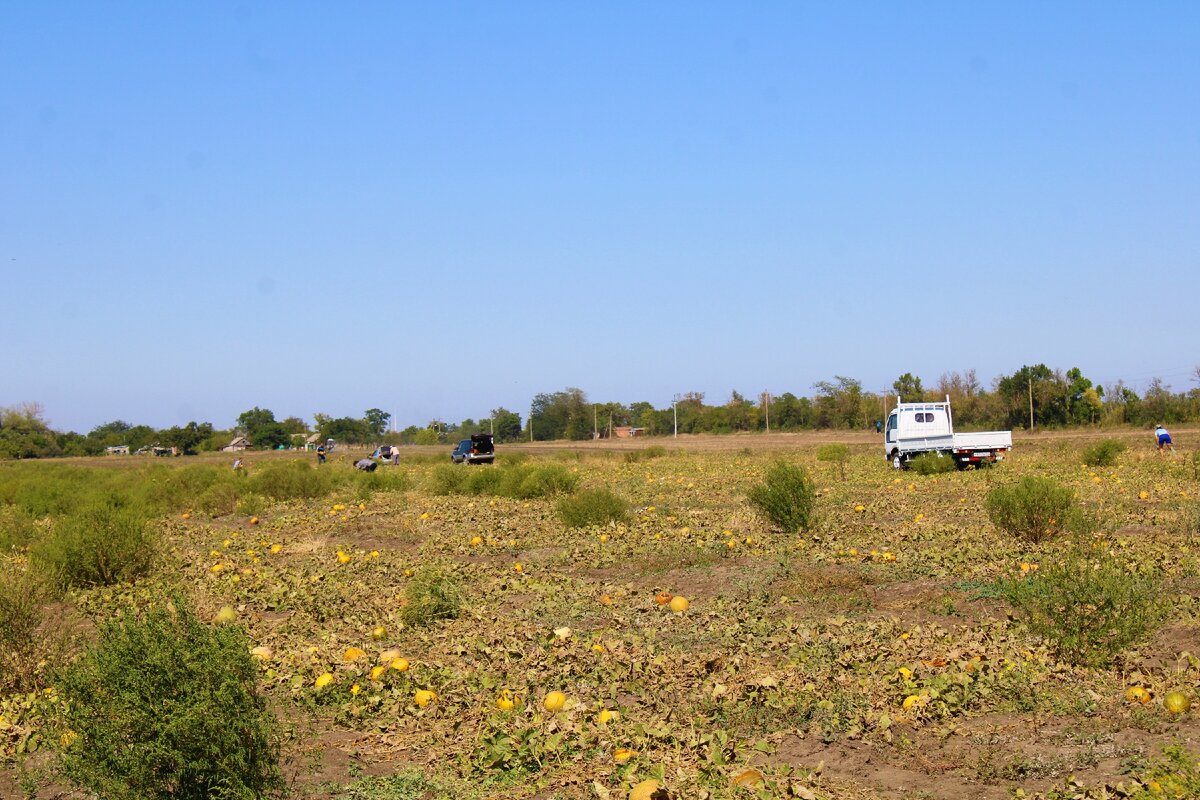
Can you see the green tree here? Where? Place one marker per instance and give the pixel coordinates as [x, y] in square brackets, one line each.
[261, 428]
[839, 403]
[189, 437]
[375, 421]
[294, 425]
[561, 415]
[507, 425]
[24, 434]
[908, 388]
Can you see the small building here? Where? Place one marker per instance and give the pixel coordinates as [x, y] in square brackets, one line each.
[239, 444]
[117, 450]
[311, 441]
[628, 432]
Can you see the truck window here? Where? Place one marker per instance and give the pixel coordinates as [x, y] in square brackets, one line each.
[892, 422]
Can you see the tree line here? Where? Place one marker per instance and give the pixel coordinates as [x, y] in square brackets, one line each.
[1056, 399]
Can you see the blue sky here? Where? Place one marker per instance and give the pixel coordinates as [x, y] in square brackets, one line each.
[443, 208]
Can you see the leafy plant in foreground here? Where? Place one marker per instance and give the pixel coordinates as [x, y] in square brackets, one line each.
[1104, 454]
[592, 507]
[1032, 509]
[931, 464]
[98, 546]
[1087, 606]
[166, 707]
[431, 595]
[787, 497]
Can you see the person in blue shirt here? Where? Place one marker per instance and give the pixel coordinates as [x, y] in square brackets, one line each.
[1164, 439]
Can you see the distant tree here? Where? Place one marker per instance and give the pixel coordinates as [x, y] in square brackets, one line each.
[294, 425]
[507, 425]
[561, 415]
[260, 427]
[375, 421]
[25, 434]
[189, 437]
[346, 429]
[908, 388]
[838, 403]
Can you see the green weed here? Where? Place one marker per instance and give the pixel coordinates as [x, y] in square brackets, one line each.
[165, 707]
[431, 595]
[787, 497]
[592, 507]
[1033, 509]
[1087, 607]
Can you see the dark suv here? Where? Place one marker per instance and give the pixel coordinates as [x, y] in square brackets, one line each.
[476, 450]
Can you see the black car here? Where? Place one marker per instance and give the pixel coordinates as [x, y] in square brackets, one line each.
[476, 450]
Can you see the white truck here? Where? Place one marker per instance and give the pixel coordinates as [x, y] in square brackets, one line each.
[916, 428]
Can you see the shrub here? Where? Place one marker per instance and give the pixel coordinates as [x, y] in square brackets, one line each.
[447, 479]
[645, 454]
[1104, 454]
[1087, 607]
[384, 480]
[432, 595]
[931, 464]
[166, 707]
[787, 498]
[17, 530]
[218, 500]
[521, 481]
[1032, 509]
[288, 480]
[592, 507]
[26, 644]
[544, 481]
[837, 454]
[98, 546]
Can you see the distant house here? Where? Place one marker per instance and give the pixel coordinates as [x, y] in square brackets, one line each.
[239, 444]
[312, 441]
[117, 450]
[628, 432]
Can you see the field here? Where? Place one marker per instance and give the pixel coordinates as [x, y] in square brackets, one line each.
[883, 652]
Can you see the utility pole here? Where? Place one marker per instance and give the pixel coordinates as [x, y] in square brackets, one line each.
[595, 429]
[767, 409]
[1031, 404]
[675, 413]
[531, 424]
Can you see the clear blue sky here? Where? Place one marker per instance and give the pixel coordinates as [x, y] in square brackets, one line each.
[442, 208]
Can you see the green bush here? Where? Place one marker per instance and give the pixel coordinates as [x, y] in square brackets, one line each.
[787, 497]
[520, 481]
[381, 480]
[17, 530]
[166, 707]
[218, 500]
[431, 595]
[645, 454]
[550, 480]
[1104, 454]
[98, 546]
[1033, 509]
[1087, 607]
[592, 507]
[931, 464]
[288, 480]
[26, 643]
[837, 454]
[447, 479]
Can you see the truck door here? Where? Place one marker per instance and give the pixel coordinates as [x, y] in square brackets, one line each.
[891, 428]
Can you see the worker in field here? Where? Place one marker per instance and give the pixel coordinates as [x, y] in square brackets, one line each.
[320, 454]
[365, 464]
[1164, 439]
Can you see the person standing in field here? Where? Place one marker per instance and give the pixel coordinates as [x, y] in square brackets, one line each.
[320, 454]
[1164, 439]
